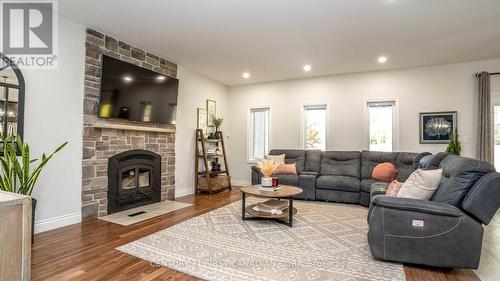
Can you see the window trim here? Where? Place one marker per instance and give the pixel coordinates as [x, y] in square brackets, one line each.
[395, 122]
[302, 109]
[250, 157]
[495, 101]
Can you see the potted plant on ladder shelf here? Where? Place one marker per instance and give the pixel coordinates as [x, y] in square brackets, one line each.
[17, 174]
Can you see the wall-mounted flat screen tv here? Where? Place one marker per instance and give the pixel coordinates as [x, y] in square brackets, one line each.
[137, 94]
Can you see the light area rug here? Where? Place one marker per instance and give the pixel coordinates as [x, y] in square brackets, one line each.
[327, 242]
[150, 211]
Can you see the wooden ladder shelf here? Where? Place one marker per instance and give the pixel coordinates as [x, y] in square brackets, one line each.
[205, 179]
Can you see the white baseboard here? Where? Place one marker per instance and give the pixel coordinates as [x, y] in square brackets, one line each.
[56, 222]
[240, 182]
[179, 192]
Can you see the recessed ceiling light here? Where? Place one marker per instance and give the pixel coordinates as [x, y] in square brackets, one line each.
[307, 67]
[246, 75]
[127, 78]
[161, 78]
[382, 59]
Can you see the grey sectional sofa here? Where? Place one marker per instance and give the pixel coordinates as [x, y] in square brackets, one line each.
[340, 176]
[445, 231]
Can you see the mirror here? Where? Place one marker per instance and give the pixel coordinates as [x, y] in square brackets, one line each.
[11, 98]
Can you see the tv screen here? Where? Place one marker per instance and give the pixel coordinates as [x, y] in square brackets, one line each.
[137, 94]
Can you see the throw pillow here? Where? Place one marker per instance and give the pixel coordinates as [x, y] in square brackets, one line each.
[385, 172]
[290, 169]
[276, 158]
[393, 188]
[421, 184]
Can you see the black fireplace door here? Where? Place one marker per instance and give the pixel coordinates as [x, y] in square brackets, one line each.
[134, 179]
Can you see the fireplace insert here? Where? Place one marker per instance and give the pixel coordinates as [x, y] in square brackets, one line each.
[134, 179]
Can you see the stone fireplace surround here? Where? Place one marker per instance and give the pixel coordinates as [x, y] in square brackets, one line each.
[103, 138]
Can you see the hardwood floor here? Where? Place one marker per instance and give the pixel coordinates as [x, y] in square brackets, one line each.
[86, 251]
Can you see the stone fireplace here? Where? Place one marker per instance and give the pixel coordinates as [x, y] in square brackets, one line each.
[125, 164]
[134, 179]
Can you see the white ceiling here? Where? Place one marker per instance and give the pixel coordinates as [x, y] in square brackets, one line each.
[273, 39]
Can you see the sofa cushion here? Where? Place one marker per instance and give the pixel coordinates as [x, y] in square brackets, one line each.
[407, 163]
[280, 159]
[435, 161]
[338, 183]
[385, 172]
[483, 199]
[366, 184]
[392, 190]
[459, 175]
[370, 159]
[313, 160]
[421, 184]
[424, 161]
[297, 156]
[290, 169]
[292, 180]
[340, 163]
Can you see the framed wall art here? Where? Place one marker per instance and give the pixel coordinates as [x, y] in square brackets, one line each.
[437, 127]
[202, 120]
[211, 112]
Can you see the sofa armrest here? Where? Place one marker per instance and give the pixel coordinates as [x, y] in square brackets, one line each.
[415, 205]
[423, 232]
[308, 173]
[378, 188]
[256, 175]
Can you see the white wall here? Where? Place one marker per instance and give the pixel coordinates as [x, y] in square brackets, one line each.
[435, 88]
[194, 90]
[53, 115]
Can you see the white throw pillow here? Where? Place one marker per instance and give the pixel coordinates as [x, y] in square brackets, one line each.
[421, 184]
[277, 158]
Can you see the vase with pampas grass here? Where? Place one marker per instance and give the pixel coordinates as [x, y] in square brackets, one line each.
[267, 168]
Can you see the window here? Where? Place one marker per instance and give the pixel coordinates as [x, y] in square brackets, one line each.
[496, 128]
[381, 126]
[259, 133]
[314, 134]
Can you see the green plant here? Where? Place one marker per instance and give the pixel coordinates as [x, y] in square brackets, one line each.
[16, 173]
[217, 122]
[454, 146]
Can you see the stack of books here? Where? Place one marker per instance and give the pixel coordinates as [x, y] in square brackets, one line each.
[272, 206]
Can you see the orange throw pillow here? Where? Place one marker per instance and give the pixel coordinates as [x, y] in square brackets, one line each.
[385, 172]
[394, 188]
[290, 169]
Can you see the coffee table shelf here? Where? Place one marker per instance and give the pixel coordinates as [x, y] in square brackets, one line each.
[249, 209]
[286, 192]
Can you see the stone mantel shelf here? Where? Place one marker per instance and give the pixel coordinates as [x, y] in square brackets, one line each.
[102, 125]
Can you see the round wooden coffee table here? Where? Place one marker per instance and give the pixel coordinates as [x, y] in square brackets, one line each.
[284, 192]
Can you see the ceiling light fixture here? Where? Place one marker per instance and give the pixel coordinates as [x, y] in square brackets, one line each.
[127, 78]
[307, 68]
[161, 78]
[246, 75]
[382, 59]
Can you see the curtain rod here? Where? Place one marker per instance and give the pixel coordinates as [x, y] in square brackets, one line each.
[490, 74]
